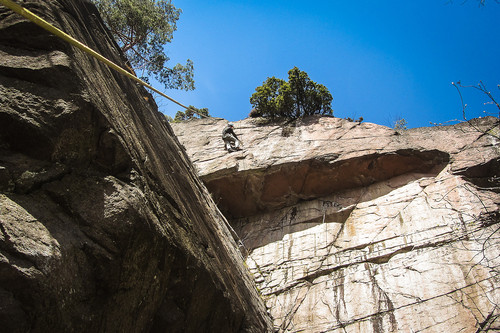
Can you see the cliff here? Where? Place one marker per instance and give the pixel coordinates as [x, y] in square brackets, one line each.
[104, 225]
[351, 227]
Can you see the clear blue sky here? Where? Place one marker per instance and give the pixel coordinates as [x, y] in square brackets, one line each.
[380, 59]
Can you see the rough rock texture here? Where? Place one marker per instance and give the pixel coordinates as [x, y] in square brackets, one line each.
[104, 226]
[354, 227]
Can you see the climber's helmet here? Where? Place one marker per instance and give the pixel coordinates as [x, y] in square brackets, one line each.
[230, 125]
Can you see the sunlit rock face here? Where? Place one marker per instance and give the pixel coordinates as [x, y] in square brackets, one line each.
[351, 227]
[104, 225]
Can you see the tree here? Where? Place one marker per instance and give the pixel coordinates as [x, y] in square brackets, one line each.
[298, 97]
[142, 28]
[190, 113]
[272, 99]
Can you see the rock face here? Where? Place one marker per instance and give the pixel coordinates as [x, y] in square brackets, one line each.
[352, 227]
[104, 226]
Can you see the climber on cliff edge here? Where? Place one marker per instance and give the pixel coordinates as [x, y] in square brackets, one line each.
[231, 141]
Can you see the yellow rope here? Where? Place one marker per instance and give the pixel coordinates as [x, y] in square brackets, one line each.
[61, 34]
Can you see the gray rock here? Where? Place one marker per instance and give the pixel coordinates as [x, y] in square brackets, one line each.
[104, 226]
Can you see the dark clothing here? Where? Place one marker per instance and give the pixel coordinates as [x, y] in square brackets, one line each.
[228, 130]
[231, 141]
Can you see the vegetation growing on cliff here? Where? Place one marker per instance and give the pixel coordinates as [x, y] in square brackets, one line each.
[298, 97]
[400, 125]
[190, 113]
[142, 28]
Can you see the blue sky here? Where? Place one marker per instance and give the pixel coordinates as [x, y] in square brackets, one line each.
[381, 60]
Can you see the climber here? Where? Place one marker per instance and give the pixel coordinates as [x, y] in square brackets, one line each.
[231, 141]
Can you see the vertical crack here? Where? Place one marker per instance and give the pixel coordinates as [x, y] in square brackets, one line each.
[385, 305]
[288, 320]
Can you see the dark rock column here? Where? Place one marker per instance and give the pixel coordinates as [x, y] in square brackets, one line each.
[104, 226]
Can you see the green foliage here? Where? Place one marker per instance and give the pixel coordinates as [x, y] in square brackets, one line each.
[272, 99]
[298, 97]
[142, 28]
[190, 113]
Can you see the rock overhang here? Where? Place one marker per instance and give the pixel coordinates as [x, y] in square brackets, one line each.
[284, 162]
[246, 193]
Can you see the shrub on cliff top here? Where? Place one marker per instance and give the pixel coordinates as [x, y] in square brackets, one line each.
[298, 97]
